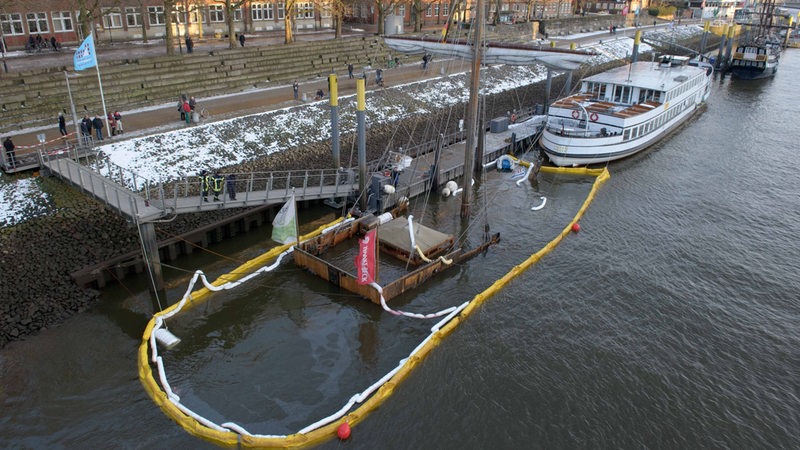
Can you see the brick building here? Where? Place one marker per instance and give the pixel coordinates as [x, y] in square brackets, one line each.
[125, 20]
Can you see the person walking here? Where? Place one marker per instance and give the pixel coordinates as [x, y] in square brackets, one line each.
[379, 77]
[11, 155]
[189, 44]
[118, 119]
[241, 39]
[62, 124]
[97, 124]
[350, 71]
[192, 103]
[230, 185]
[296, 89]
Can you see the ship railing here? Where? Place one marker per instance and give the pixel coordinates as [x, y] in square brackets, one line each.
[574, 129]
[304, 183]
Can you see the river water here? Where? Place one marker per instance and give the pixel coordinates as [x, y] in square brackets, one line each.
[669, 321]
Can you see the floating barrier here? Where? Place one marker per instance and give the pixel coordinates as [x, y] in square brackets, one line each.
[339, 423]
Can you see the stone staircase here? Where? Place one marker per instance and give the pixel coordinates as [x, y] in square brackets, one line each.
[33, 99]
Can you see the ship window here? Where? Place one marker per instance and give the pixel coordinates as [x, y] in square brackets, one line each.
[626, 135]
[635, 133]
[622, 94]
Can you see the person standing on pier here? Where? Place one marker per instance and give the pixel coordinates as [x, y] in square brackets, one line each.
[350, 71]
[230, 185]
[205, 184]
[216, 184]
[296, 89]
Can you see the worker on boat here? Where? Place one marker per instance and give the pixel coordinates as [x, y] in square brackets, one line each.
[217, 182]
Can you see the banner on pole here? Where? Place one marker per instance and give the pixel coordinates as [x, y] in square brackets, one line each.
[365, 260]
[85, 56]
[284, 227]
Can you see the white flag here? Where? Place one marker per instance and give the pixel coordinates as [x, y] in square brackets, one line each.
[284, 227]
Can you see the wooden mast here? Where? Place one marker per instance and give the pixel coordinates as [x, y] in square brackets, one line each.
[472, 110]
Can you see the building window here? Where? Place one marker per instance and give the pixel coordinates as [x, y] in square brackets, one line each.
[261, 11]
[156, 15]
[132, 17]
[402, 11]
[445, 9]
[237, 14]
[62, 21]
[215, 13]
[12, 24]
[305, 10]
[429, 11]
[112, 19]
[436, 10]
[281, 10]
[37, 23]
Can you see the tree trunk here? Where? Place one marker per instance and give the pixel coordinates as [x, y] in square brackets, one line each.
[168, 33]
[288, 33]
[338, 25]
[229, 19]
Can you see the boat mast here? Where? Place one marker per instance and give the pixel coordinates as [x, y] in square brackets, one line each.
[472, 110]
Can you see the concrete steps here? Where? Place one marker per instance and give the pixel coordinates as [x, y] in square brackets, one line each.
[33, 99]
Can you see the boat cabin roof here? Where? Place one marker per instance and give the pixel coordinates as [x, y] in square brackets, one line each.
[647, 75]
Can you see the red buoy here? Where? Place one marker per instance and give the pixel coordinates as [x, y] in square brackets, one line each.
[344, 431]
[576, 227]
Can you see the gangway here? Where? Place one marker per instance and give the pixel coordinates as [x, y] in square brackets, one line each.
[141, 200]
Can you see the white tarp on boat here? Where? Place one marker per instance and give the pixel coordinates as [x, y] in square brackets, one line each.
[494, 54]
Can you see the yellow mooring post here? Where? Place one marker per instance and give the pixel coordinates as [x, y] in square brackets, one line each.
[333, 87]
[361, 124]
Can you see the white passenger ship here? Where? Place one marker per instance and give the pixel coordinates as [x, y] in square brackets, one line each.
[624, 110]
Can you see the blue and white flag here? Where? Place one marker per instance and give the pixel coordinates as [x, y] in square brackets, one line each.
[85, 56]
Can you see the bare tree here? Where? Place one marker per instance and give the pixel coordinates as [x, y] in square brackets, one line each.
[88, 12]
[417, 8]
[497, 5]
[230, 7]
[169, 6]
[142, 8]
[338, 8]
[289, 20]
[384, 7]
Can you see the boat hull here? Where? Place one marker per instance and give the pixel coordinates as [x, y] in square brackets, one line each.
[749, 74]
[624, 110]
[570, 151]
